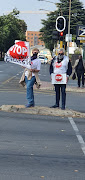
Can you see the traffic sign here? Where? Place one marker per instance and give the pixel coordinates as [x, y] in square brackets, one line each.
[68, 37]
[80, 36]
[81, 31]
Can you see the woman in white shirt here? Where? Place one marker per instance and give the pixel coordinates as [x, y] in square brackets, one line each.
[34, 67]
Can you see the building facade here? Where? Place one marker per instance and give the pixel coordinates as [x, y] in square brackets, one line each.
[33, 38]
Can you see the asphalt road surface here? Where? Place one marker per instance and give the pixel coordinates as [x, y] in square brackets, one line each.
[34, 147]
[12, 93]
[9, 70]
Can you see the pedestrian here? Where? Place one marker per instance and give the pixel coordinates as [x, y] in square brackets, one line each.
[79, 69]
[30, 77]
[60, 65]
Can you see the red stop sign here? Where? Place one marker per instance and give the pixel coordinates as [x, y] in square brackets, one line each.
[58, 77]
[19, 50]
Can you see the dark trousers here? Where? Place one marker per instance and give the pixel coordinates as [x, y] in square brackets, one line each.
[80, 78]
[60, 88]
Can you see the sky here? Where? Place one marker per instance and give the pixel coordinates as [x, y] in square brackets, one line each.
[33, 21]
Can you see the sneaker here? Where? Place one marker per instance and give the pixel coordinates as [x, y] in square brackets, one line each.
[29, 105]
[55, 106]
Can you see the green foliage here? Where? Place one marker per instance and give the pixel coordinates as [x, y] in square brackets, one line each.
[77, 51]
[11, 28]
[48, 27]
[77, 18]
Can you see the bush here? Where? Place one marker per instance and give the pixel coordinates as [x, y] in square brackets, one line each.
[77, 51]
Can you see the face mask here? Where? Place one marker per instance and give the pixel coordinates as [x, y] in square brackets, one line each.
[34, 53]
[60, 56]
[34, 56]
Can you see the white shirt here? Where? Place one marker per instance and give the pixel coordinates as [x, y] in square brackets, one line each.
[35, 64]
[61, 68]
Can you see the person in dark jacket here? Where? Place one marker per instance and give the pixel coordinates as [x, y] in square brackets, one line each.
[80, 71]
[60, 65]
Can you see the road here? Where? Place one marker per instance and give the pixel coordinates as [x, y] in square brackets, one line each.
[12, 93]
[34, 147]
[41, 147]
[8, 70]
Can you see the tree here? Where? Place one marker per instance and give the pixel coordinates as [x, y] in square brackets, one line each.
[47, 29]
[77, 17]
[11, 28]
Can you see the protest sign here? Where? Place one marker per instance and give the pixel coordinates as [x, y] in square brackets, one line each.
[58, 78]
[19, 53]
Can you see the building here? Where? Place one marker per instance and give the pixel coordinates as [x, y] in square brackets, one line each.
[33, 38]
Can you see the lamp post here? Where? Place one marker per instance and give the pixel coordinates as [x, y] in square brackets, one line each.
[47, 11]
[68, 23]
[48, 1]
[69, 26]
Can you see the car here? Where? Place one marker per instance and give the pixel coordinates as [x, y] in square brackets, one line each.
[43, 59]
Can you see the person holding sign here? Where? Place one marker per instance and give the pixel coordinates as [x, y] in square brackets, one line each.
[30, 77]
[35, 68]
[19, 54]
[60, 70]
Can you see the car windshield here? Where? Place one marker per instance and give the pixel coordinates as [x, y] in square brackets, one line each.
[41, 57]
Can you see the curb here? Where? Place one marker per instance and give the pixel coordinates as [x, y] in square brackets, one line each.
[68, 89]
[41, 111]
[48, 86]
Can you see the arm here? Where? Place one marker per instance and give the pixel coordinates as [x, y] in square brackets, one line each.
[34, 70]
[69, 70]
[37, 67]
[51, 66]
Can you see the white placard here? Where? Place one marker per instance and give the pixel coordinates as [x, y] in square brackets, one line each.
[58, 78]
[68, 37]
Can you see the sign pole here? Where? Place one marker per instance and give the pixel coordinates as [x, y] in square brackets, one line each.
[61, 44]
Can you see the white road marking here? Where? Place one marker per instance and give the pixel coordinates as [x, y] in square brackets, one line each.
[79, 137]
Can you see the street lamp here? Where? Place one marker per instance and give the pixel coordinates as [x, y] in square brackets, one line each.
[68, 23]
[44, 10]
[48, 1]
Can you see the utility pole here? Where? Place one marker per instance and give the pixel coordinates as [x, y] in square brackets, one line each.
[69, 27]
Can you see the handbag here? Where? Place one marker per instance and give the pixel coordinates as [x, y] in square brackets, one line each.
[74, 76]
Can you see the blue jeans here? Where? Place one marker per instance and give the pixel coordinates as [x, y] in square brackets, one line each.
[63, 93]
[30, 94]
